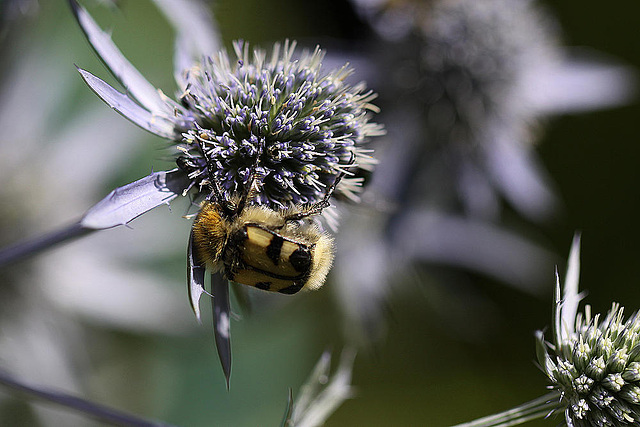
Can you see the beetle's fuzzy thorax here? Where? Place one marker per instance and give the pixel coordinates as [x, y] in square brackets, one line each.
[211, 231]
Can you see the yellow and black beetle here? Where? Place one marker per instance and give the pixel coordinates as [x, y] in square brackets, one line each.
[273, 250]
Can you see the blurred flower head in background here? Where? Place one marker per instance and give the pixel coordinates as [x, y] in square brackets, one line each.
[477, 79]
[465, 87]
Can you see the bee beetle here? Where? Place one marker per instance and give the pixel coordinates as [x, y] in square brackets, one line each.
[273, 250]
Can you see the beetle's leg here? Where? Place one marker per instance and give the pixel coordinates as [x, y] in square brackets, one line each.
[250, 188]
[318, 207]
[214, 185]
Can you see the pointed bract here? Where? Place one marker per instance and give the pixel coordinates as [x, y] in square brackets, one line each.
[222, 322]
[128, 202]
[127, 107]
[580, 82]
[196, 34]
[455, 239]
[571, 297]
[195, 278]
[286, 419]
[323, 392]
[519, 175]
[556, 311]
[120, 67]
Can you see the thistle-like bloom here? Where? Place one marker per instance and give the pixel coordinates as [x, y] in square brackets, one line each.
[305, 126]
[276, 116]
[301, 125]
[596, 369]
[592, 362]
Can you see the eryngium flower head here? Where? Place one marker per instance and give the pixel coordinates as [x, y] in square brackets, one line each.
[305, 126]
[593, 364]
[280, 115]
[596, 369]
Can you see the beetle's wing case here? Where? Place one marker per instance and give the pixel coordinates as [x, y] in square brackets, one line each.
[269, 253]
[323, 248]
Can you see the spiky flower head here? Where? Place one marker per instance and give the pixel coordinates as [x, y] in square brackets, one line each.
[303, 125]
[279, 115]
[596, 369]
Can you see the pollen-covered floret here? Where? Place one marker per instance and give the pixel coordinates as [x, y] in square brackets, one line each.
[305, 126]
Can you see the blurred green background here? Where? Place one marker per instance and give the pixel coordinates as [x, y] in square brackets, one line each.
[423, 373]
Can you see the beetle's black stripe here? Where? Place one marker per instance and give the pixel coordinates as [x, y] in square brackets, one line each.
[265, 286]
[289, 290]
[275, 248]
[273, 275]
[300, 260]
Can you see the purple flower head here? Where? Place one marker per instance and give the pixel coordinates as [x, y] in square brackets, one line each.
[281, 114]
[300, 125]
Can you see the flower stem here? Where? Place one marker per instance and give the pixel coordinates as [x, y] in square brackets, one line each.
[94, 410]
[38, 244]
[537, 408]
